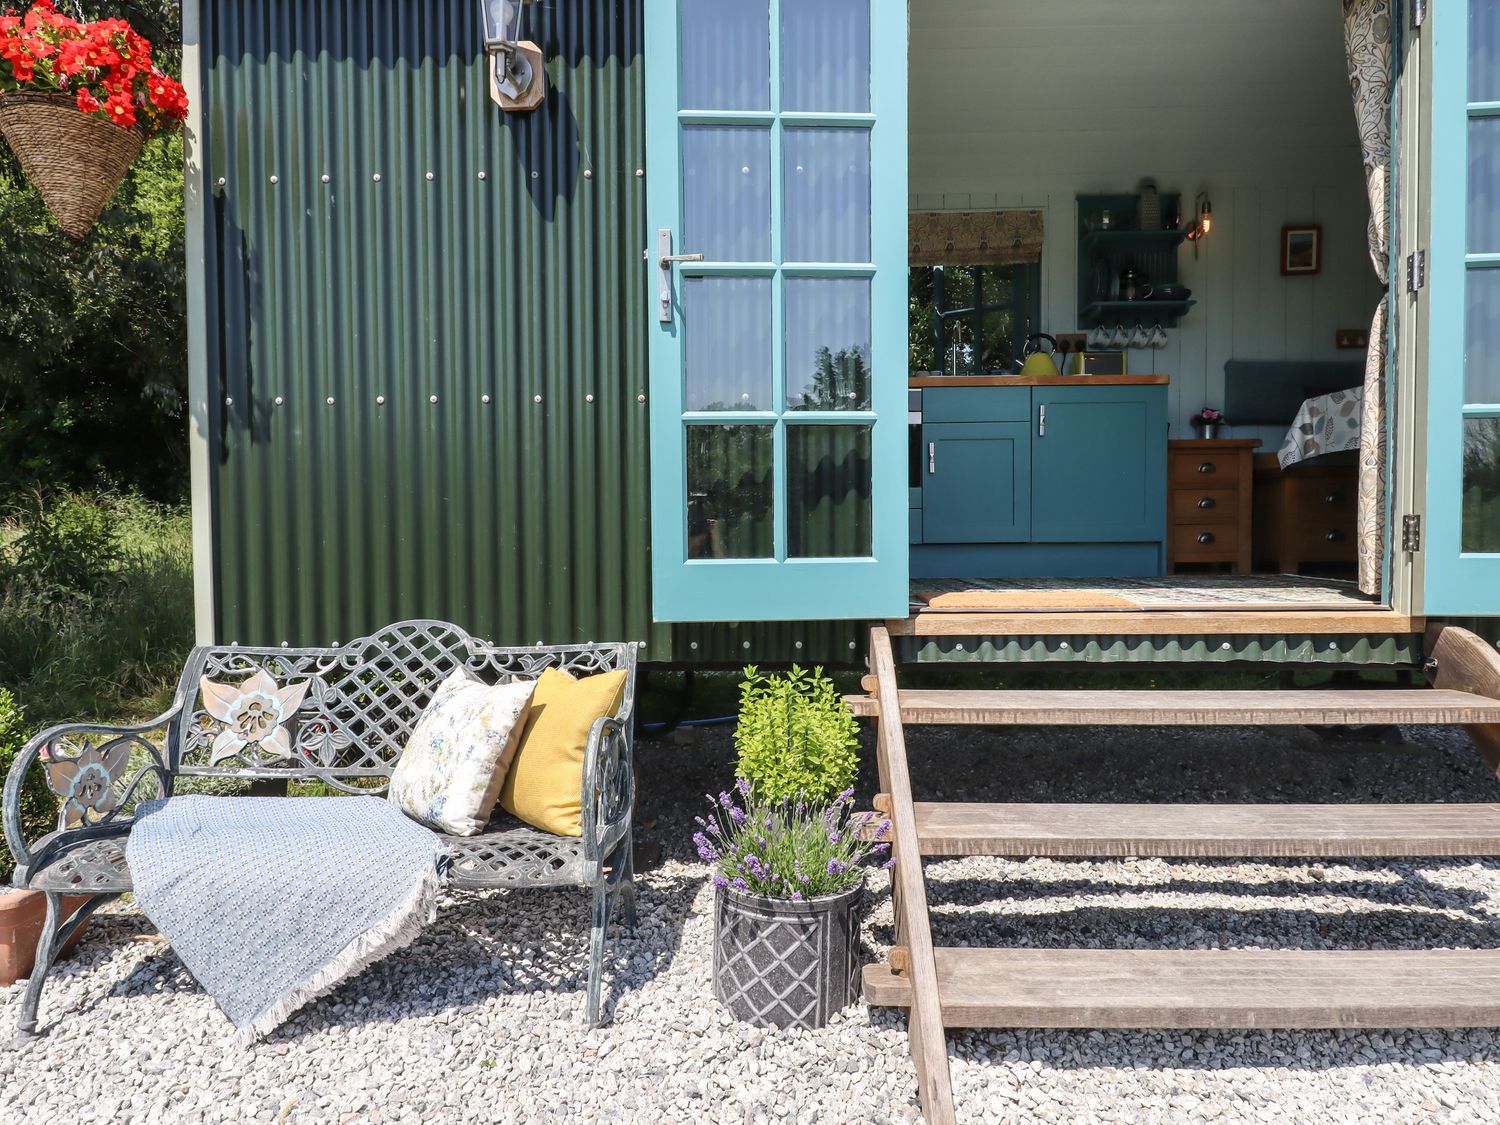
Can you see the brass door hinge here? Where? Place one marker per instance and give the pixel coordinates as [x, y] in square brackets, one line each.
[1411, 534]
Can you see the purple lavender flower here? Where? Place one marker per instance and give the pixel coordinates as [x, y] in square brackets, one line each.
[834, 837]
[845, 797]
[757, 868]
[796, 896]
[726, 800]
[737, 815]
[890, 863]
[884, 830]
[706, 851]
[739, 884]
[700, 822]
[837, 866]
[743, 785]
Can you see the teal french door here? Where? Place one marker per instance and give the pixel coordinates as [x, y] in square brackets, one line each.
[776, 208]
[1462, 536]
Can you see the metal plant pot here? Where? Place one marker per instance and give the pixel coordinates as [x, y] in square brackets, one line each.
[780, 963]
[1208, 430]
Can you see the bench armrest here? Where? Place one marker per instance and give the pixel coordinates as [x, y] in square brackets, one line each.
[124, 753]
[608, 790]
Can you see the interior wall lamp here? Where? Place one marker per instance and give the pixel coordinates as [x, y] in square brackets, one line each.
[517, 80]
[1203, 225]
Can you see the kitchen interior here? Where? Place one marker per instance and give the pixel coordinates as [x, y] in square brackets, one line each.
[1141, 289]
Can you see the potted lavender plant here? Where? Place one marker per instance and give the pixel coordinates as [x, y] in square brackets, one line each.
[789, 856]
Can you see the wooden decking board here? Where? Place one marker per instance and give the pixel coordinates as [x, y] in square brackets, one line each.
[956, 829]
[1189, 708]
[1215, 622]
[1253, 988]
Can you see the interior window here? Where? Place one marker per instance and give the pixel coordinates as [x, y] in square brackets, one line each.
[971, 320]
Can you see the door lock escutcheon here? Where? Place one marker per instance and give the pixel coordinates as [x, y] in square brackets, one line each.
[665, 258]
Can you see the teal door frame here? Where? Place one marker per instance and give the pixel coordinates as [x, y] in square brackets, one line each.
[1457, 583]
[776, 587]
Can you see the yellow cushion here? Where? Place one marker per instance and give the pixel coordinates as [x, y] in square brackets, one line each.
[545, 784]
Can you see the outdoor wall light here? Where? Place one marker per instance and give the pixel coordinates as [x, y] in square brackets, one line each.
[517, 80]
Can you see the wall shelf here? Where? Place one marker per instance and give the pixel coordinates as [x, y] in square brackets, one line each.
[1104, 254]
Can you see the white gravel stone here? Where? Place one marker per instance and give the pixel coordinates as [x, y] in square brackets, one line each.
[478, 1021]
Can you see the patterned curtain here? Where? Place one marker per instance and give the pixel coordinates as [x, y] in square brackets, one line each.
[1367, 40]
[975, 238]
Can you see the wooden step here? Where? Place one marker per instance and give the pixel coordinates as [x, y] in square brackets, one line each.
[1207, 830]
[1196, 988]
[1313, 707]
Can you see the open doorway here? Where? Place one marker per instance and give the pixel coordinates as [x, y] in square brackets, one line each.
[1159, 213]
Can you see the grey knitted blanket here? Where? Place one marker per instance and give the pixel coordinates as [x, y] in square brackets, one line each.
[273, 901]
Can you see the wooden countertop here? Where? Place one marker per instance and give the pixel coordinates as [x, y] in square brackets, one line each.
[1214, 443]
[1037, 380]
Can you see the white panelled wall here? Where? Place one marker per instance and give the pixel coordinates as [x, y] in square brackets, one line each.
[1016, 104]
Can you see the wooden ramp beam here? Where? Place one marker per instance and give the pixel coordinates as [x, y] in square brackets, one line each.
[1197, 988]
[1216, 622]
[1312, 707]
[1193, 831]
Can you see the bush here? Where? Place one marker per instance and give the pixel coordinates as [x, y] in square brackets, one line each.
[37, 806]
[796, 738]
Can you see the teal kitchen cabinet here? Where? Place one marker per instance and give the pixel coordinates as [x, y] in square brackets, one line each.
[976, 487]
[1099, 464]
[1054, 478]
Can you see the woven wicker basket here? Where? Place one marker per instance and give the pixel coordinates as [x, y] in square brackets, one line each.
[75, 160]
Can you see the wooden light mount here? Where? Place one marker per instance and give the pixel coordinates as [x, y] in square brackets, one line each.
[528, 60]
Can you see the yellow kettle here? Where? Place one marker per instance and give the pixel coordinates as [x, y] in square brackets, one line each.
[1038, 362]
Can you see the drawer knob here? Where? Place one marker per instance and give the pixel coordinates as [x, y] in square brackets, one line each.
[1334, 536]
[1205, 537]
[1334, 498]
[1208, 467]
[1207, 502]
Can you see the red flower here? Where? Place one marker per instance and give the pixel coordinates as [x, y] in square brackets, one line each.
[120, 109]
[87, 102]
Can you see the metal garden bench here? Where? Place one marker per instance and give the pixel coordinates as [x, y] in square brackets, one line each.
[363, 700]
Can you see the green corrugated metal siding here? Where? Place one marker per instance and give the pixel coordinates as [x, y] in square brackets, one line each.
[1276, 648]
[378, 229]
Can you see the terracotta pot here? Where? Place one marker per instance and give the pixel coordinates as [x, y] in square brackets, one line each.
[22, 914]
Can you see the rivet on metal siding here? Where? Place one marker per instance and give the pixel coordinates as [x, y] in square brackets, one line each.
[536, 399]
[376, 177]
[228, 401]
[222, 181]
[1224, 647]
[798, 645]
[639, 172]
[853, 644]
[640, 398]
[588, 398]
[330, 400]
[1063, 646]
[1332, 645]
[327, 178]
[693, 645]
[380, 400]
[746, 644]
[588, 173]
[278, 400]
[276, 179]
[959, 647]
[484, 399]
[430, 176]
[481, 175]
[284, 644]
[432, 399]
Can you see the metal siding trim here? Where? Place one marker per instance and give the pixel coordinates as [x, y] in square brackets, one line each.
[1086, 649]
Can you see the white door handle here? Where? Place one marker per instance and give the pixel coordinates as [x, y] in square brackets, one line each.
[664, 260]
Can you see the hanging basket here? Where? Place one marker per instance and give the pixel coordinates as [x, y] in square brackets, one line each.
[75, 160]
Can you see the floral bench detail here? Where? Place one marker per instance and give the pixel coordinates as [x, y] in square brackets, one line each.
[340, 716]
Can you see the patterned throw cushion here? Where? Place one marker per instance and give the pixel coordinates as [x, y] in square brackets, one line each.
[454, 763]
[545, 784]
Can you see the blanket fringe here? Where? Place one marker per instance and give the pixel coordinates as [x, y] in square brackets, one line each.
[396, 931]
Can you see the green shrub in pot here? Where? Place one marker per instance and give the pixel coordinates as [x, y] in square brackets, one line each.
[796, 738]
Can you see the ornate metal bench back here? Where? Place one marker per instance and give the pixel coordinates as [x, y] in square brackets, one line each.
[348, 725]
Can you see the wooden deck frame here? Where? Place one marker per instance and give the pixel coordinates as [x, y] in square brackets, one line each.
[1458, 660]
[927, 1037]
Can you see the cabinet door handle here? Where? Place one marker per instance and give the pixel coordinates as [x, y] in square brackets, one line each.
[1206, 537]
[1207, 502]
[1334, 536]
[931, 457]
[1041, 422]
[1334, 498]
[1208, 467]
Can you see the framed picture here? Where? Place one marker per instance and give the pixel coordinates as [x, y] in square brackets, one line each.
[1301, 251]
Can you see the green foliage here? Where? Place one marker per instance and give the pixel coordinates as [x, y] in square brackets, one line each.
[37, 806]
[796, 737]
[93, 334]
[95, 606]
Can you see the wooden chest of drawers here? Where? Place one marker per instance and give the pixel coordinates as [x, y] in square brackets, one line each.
[1304, 515]
[1209, 485]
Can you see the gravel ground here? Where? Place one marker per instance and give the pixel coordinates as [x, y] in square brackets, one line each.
[478, 1021]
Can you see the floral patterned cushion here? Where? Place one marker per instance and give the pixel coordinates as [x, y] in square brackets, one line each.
[450, 773]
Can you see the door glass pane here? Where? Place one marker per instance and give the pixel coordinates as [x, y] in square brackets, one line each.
[1484, 51]
[828, 481]
[727, 322]
[827, 343]
[726, 54]
[729, 481]
[1481, 527]
[827, 185]
[825, 56]
[1484, 185]
[1482, 337]
[726, 192]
